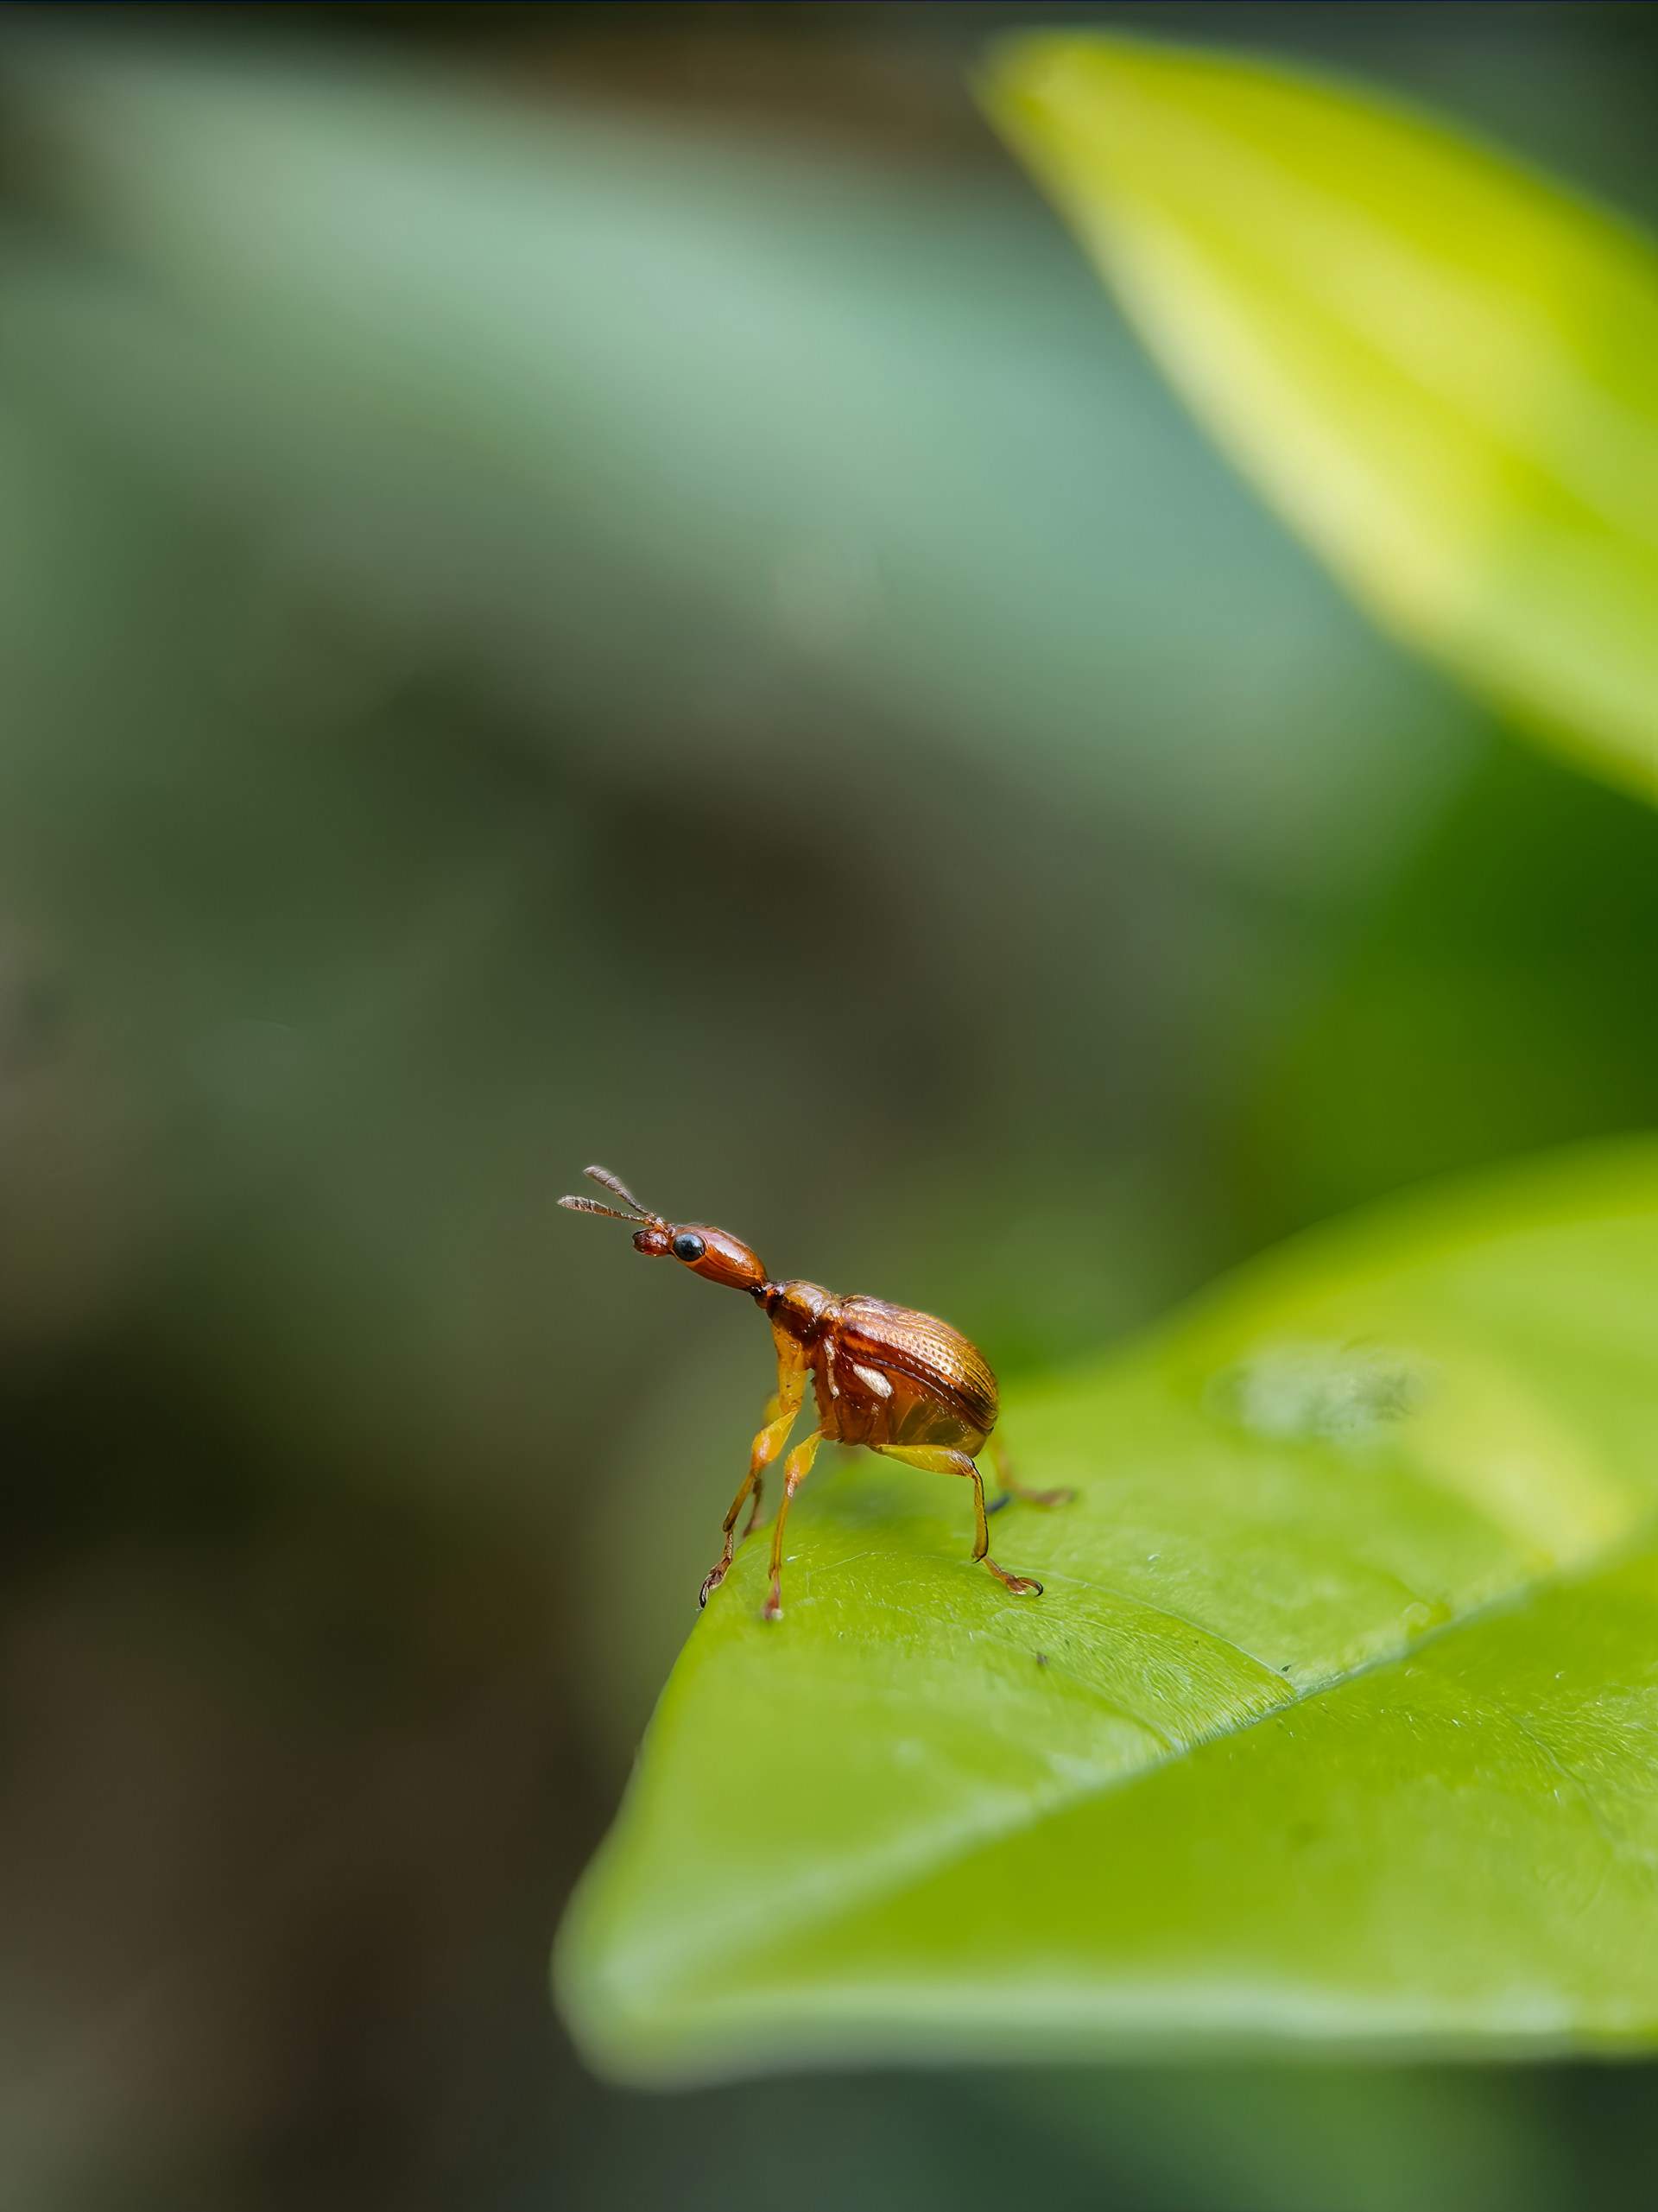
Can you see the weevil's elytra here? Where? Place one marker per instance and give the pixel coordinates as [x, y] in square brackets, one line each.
[898, 1382]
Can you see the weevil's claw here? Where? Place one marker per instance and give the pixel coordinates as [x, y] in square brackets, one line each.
[1023, 1586]
[773, 1608]
[710, 1582]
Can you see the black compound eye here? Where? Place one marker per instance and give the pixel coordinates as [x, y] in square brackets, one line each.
[689, 1246]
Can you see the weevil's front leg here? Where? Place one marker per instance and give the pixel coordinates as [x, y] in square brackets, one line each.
[937, 1459]
[1012, 1489]
[796, 1467]
[781, 1415]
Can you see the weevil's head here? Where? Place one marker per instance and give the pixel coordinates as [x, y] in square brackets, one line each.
[714, 1254]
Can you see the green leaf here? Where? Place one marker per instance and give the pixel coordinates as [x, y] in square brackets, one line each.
[1338, 1719]
[1442, 368]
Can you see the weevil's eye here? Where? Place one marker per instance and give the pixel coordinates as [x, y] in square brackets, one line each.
[689, 1246]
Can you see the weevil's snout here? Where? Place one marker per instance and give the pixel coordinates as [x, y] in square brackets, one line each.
[653, 1240]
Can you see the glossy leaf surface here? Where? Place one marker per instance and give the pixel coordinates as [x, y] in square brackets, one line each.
[1441, 367]
[1338, 1719]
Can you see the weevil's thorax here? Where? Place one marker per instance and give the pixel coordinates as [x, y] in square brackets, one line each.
[803, 1311]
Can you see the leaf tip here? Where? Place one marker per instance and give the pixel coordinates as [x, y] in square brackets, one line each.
[1042, 81]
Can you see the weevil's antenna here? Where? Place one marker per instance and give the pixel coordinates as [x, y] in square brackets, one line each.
[592, 1206]
[615, 1185]
[640, 1215]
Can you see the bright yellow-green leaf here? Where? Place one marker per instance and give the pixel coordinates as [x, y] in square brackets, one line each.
[1442, 367]
[1338, 1719]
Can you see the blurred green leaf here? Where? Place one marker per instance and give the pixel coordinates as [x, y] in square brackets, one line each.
[1442, 368]
[1338, 1719]
[526, 383]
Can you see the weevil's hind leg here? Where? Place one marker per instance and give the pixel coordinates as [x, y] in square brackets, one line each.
[1011, 1488]
[781, 1415]
[796, 1467]
[937, 1458]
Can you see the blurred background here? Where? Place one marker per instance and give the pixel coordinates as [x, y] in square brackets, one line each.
[604, 582]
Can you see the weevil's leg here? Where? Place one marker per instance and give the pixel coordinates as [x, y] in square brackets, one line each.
[937, 1459]
[1012, 1488]
[782, 1413]
[757, 1473]
[796, 1467]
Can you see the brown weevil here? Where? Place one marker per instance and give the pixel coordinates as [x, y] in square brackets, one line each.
[899, 1382]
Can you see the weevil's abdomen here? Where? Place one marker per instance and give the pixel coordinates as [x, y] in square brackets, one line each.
[940, 1387]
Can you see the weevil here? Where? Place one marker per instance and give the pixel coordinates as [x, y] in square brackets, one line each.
[885, 1377]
